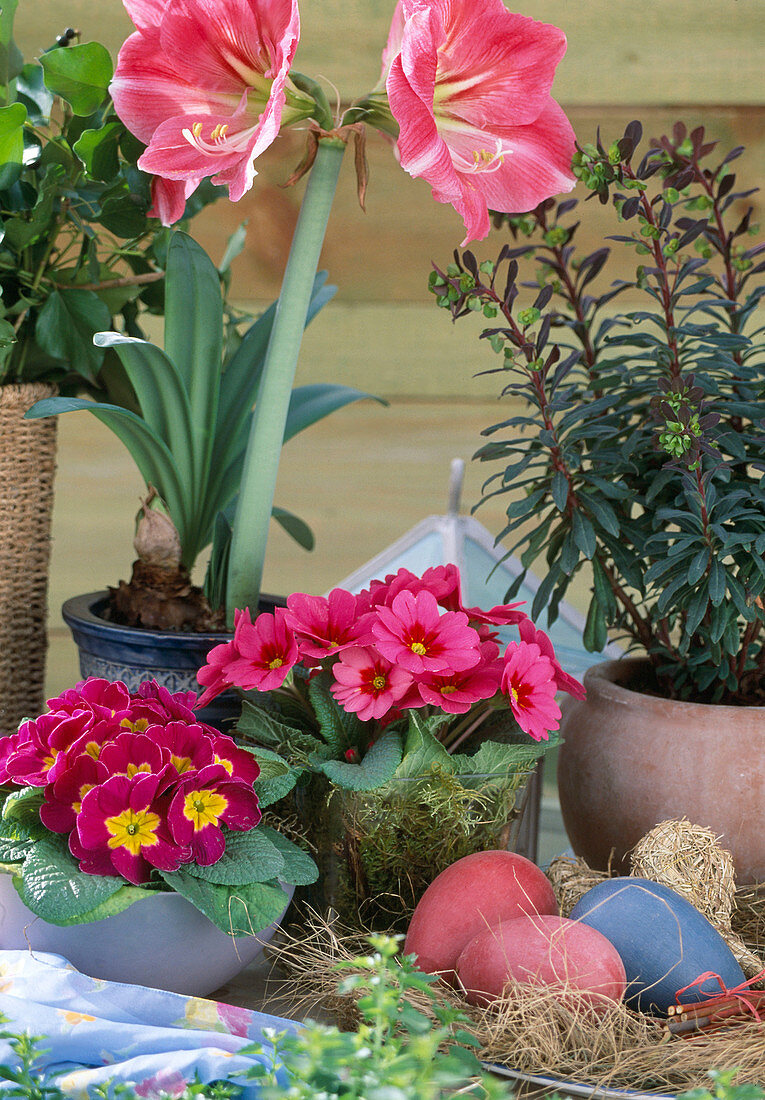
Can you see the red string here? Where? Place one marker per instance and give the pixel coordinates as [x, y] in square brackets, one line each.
[736, 992]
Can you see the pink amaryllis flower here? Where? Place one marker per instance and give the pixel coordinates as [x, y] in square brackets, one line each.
[121, 824]
[468, 83]
[528, 682]
[367, 684]
[326, 625]
[204, 802]
[564, 681]
[204, 84]
[414, 634]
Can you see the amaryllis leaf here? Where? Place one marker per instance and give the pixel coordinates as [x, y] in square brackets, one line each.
[311, 403]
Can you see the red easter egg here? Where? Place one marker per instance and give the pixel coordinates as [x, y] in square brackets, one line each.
[475, 893]
[543, 949]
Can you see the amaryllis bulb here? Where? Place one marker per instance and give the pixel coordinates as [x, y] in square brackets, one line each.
[156, 539]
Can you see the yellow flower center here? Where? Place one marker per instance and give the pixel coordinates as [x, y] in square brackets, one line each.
[447, 689]
[379, 682]
[277, 662]
[133, 769]
[224, 763]
[93, 748]
[133, 829]
[138, 726]
[77, 806]
[49, 761]
[203, 808]
[181, 763]
[418, 648]
[513, 693]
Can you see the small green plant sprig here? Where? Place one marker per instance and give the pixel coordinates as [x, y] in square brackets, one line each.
[639, 449]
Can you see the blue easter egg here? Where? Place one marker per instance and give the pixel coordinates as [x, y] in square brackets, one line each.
[664, 942]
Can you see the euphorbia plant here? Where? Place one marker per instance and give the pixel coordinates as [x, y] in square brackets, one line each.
[465, 89]
[638, 447]
[112, 795]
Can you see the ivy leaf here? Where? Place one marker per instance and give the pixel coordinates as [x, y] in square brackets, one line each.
[236, 910]
[249, 857]
[99, 150]
[54, 888]
[65, 327]
[12, 121]
[79, 74]
[376, 768]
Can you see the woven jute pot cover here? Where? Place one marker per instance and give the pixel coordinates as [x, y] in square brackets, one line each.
[27, 467]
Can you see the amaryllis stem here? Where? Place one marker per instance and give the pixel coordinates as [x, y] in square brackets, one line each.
[261, 463]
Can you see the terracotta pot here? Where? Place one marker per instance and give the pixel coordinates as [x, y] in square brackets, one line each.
[630, 760]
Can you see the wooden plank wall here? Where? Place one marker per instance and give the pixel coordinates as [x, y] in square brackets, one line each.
[659, 60]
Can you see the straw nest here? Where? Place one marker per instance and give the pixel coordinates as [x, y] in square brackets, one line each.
[539, 1030]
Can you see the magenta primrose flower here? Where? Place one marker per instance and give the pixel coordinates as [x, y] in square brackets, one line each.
[114, 778]
[367, 684]
[204, 84]
[528, 681]
[203, 802]
[469, 84]
[266, 651]
[414, 634]
[123, 819]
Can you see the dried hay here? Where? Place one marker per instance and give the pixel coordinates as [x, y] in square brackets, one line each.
[534, 1029]
[539, 1030]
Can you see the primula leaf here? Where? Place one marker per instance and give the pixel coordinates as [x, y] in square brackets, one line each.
[236, 910]
[422, 750]
[79, 74]
[111, 906]
[277, 777]
[23, 806]
[378, 765]
[503, 761]
[299, 869]
[259, 726]
[339, 728]
[54, 888]
[249, 857]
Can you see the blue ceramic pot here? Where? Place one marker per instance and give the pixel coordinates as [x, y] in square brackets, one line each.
[133, 654]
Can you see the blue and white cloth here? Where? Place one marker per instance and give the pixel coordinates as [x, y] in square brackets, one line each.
[96, 1031]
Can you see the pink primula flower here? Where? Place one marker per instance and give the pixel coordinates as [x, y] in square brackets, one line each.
[121, 819]
[41, 745]
[528, 682]
[63, 798]
[468, 83]
[204, 84]
[188, 747]
[325, 625]
[204, 802]
[414, 634]
[455, 692]
[564, 681]
[266, 651]
[133, 753]
[239, 763]
[213, 676]
[367, 684]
